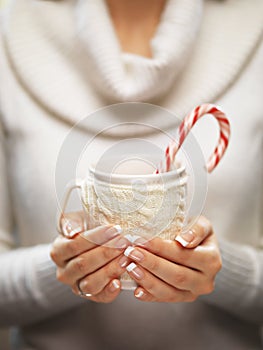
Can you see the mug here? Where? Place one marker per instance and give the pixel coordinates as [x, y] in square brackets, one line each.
[145, 204]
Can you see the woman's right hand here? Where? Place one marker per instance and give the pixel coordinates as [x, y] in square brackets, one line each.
[91, 262]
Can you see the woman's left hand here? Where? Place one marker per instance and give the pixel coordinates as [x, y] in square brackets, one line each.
[176, 271]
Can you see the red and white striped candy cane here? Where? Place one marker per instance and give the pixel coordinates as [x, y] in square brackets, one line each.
[187, 124]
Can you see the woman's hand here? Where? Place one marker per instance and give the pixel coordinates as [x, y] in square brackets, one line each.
[91, 262]
[168, 271]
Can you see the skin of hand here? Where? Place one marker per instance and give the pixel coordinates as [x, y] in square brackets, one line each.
[91, 261]
[165, 270]
[179, 270]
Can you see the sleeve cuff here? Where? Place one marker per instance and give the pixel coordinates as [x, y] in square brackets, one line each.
[239, 284]
[48, 291]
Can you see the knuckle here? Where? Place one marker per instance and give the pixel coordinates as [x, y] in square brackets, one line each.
[208, 288]
[55, 249]
[216, 262]
[218, 265]
[54, 254]
[179, 278]
[80, 264]
[107, 253]
[213, 256]
[60, 275]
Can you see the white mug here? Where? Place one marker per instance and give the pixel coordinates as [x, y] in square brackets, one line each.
[144, 204]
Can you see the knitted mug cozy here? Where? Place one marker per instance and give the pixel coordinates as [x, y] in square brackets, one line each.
[144, 206]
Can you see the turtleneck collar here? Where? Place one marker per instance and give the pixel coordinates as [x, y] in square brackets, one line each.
[128, 77]
[71, 68]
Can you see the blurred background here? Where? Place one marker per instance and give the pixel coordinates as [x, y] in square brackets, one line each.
[3, 340]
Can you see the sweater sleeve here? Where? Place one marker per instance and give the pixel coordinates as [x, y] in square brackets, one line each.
[6, 240]
[239, 284]
[29, 291]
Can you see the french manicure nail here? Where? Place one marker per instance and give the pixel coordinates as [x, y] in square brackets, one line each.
[133, 253]
[70, 228]
[135, 271]
[75, 231]
[118, 228]
[123, 261]
[185, 238]
[132, 238]
[128, 250]
[114, 285]
[113, 231]
[139, 294]
[142, 242]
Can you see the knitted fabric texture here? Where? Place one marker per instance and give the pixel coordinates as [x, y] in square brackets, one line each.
[149, 209]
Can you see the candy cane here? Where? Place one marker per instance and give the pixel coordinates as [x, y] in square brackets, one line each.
[187, 124]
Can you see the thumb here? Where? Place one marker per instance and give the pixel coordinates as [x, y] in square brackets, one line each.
[196, 235]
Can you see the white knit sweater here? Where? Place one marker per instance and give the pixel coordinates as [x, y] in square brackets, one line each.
[59, 62]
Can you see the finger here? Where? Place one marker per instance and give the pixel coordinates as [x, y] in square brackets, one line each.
[72, 223]
[170, 250]
[106, 233]
[178, 276]
[193, 237]
[109, 293]
[160, 290]
[197, 258]
[92, 260]
[141, 294]
[64, 248]
[95, 283]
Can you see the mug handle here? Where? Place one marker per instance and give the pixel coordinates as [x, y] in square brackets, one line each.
[71, 186]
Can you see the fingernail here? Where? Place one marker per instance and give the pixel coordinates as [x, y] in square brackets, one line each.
[121, 243]
[139, 294]
[135, 271]
[113, 231]
[205, 225]
[133, 253]
[70, 228]
[123, 261]
[75, 231]
[114, 286]
[142, 242]
[185, 238]
[118, 228]
[132, 238]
